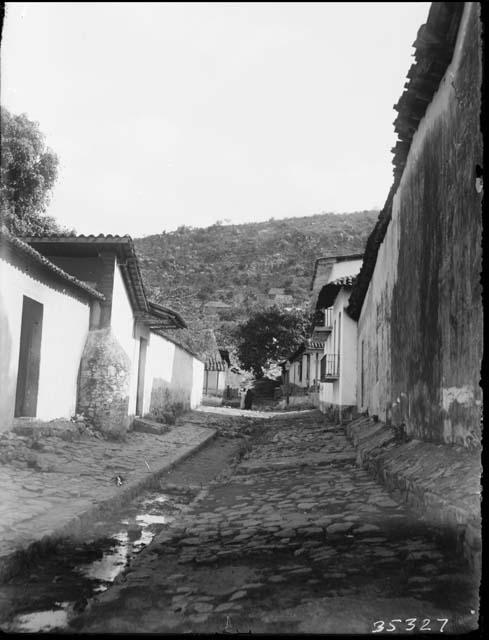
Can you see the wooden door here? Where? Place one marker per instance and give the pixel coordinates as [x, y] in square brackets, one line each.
[29, 359]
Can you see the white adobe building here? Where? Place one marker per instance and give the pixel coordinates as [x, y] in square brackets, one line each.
[332, 282]
[78, 334]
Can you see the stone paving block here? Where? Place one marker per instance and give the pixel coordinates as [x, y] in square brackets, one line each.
[139, 460]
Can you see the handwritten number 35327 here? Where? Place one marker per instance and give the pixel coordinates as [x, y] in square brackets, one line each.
[380, 625]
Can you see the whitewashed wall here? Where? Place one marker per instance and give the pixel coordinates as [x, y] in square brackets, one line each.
[64, 330]
[348, 355]
[198, 382]
[122, 325]
[170, 367]
[341, 392]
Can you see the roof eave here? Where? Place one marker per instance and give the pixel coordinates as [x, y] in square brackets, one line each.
[19, 244]
[159, 311]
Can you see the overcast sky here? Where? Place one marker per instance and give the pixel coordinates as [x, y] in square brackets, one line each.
[165, 114]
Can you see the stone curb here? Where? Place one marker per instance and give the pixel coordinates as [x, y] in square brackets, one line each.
[401, 467]
[15, 562]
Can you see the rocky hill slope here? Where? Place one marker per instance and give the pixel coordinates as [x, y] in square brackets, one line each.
[239, 264]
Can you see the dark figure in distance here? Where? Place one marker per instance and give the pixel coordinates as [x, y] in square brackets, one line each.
[248, 401]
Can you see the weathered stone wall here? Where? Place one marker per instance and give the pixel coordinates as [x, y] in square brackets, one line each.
[421, 322]
[104, 383]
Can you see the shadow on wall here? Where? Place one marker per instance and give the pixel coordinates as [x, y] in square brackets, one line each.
[8, 380]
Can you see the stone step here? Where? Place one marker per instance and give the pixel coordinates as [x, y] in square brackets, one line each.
[143, 425]
[34, 428]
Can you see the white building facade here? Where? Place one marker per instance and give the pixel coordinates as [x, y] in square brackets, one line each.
[337, 389]
[93, 343]
[44, 322]
[332, 282]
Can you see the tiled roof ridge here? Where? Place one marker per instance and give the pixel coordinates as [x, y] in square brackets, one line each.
[79, 236]
[434, 45]
[126, 240]
[214, 363]
[315, 344]
[344, 281]
[19, 244]
[338, 258]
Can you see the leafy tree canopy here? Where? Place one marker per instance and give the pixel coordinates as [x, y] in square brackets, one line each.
[268, 336]
[27, 174]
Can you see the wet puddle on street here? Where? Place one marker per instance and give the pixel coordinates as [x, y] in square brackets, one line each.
[87, 569]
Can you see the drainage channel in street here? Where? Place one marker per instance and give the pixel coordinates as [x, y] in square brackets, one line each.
[59, 585]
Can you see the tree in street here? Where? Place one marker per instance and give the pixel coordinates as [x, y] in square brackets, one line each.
[28, 172]
[268, 336]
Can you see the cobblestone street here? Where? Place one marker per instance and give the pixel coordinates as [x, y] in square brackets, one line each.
[65, 478]
[296, 538]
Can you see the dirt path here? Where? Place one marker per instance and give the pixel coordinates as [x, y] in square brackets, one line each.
[297, 538]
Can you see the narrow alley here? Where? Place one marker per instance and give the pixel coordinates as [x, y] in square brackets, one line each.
[297, 538]
[241, 321]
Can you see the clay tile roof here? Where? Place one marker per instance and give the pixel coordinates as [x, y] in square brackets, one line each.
[153, 314]
[11, 242]
[344, 281]
[333, 258]
[329, 291]
[434, 46]
[160, 312]
[315, 344]
[77, 237]
[307, 345]
[215, 363]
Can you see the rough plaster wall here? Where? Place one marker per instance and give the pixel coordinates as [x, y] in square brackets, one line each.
[122, 324]
[64, 331]
[374, 327]
[104, 383]
[341, 392]
[325, 395]
[183, 374]
[348, 357]
[109, 367]
[422, 312]
[197, 383]
[159, 368]
[326, 388]
[171, 375]
[344, 389]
